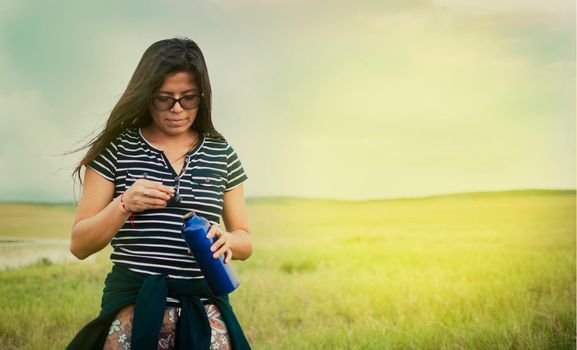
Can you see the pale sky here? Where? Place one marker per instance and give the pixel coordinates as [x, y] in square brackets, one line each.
[331, 99]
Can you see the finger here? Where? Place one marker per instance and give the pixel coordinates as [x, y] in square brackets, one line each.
[155, 185]
[153, 193]
[147, 183]
[151, 203]
[219, 243]
[228, 256]
[222, 239]
[153, 200]
[144, 207]
[162, 188]
[219, 252]
[212, 231]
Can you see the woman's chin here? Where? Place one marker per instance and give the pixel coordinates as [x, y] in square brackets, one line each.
[177, 129]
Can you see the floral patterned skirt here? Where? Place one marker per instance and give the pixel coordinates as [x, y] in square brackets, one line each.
[121, 329]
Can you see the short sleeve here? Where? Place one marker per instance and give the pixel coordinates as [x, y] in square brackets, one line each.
[235, 171]
[105, 162]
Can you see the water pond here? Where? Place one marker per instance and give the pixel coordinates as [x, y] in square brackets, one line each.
[17, 252]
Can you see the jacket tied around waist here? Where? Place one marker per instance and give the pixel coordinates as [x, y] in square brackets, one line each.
[148, 293]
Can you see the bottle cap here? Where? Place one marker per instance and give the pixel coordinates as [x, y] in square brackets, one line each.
[187, 215]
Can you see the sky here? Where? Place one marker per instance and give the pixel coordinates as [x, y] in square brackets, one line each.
[325, 99]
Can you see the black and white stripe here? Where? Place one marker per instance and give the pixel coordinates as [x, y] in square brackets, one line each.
[155, 245]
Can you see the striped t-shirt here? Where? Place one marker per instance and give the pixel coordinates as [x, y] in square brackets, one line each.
[153, 244]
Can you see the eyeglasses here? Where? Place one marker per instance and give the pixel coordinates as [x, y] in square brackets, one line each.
[165, 103]
[177, 199]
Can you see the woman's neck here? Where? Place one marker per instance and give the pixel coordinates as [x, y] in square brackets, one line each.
[166, 141]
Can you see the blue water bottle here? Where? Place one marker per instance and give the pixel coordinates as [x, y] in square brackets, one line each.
[220, 277]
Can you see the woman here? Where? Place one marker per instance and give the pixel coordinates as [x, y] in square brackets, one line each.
[158, 158]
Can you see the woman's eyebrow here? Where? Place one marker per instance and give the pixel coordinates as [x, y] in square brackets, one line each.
[182, 92]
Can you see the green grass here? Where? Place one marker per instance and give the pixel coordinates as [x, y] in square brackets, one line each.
[38, 221]
[470, 271]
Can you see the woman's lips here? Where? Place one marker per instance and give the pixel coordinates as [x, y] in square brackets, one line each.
[176, 122]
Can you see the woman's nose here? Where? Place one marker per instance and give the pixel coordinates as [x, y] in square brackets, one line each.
[176, 107]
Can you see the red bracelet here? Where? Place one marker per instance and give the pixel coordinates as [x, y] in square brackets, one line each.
[131, 218]
[122, 203]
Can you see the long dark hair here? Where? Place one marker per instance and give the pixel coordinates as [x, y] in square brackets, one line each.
[132, 109]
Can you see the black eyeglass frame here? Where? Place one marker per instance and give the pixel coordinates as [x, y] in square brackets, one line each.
[174, 100]
[177, 199]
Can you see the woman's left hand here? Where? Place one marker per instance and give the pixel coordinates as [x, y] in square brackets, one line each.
[222, 244]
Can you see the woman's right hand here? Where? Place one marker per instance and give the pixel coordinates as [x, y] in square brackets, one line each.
[144, 194]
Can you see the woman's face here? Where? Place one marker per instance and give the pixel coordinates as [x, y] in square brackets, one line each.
[175, 120]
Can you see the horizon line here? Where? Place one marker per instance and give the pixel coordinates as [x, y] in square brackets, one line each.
[326, 199]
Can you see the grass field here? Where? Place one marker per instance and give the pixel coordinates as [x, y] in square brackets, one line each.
[470, 271]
